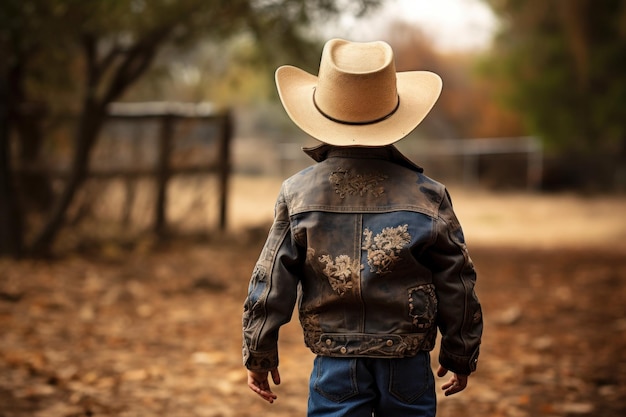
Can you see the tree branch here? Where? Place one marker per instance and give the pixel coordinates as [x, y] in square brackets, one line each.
[136, 61]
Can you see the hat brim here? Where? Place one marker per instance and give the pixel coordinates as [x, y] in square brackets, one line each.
[418, 92]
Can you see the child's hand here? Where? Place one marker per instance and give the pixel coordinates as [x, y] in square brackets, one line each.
[257, 381]
[455, 384]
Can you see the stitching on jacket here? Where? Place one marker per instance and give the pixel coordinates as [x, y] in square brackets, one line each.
[423, 305]
[346, 183]
[311, 326]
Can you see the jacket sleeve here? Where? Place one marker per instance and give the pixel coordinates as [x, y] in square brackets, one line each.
[272, 294]
[459, 316]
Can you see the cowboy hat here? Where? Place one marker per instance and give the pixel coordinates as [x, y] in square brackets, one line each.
[357, 98]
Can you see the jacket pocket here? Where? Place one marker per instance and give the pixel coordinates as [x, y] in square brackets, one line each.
[422, 306]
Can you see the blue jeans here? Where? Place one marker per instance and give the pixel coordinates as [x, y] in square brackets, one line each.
[366, 387]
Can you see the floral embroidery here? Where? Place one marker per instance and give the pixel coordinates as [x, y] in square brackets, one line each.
[383, 249]
[340, 272]
[346, 183]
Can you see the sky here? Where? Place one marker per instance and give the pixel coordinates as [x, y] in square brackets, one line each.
[451, 24]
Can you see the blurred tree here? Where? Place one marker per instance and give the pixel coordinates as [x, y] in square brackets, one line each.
[78, 56]
[563, 66]
[240, 76]
[10, 219]
[467, 107]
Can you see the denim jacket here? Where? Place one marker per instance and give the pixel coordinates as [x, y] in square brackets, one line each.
[371, 250]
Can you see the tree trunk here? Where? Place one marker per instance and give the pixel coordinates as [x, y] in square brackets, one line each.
[89, 127]
[134, 63]
[10, 219]
[36, 188]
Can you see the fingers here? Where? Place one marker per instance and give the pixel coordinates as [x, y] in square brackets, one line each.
[263, 392]
[257, 382]
[441, 371]
[456, 384]
[275, 376]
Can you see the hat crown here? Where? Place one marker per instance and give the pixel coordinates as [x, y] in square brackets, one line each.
[356, 81]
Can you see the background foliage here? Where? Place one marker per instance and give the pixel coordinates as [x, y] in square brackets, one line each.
[555, 71]
[76, 57]
[561, 65]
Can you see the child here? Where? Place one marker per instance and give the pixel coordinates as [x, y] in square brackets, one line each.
[368, 246]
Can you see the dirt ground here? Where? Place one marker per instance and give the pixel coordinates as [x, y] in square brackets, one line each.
[154, 330]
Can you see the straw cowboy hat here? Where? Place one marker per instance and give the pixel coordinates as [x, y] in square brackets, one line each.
[357, 99]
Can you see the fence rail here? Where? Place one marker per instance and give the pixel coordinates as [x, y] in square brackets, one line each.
[471, 150]
[169, 113]
[121, 151]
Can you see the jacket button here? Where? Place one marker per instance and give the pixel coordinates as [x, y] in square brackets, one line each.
[343, 349]
[389, 342]
[329, 342]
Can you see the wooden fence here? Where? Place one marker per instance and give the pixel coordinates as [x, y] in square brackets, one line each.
[168, 115]
[472, 150]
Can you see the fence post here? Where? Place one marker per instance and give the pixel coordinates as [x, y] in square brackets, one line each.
[535, 164]
[163, 174]
[224, 167]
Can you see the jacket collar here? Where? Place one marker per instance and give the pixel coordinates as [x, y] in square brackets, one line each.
[390, 153]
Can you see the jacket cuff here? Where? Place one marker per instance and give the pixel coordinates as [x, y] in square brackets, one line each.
[260, 361]
[462, 365]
